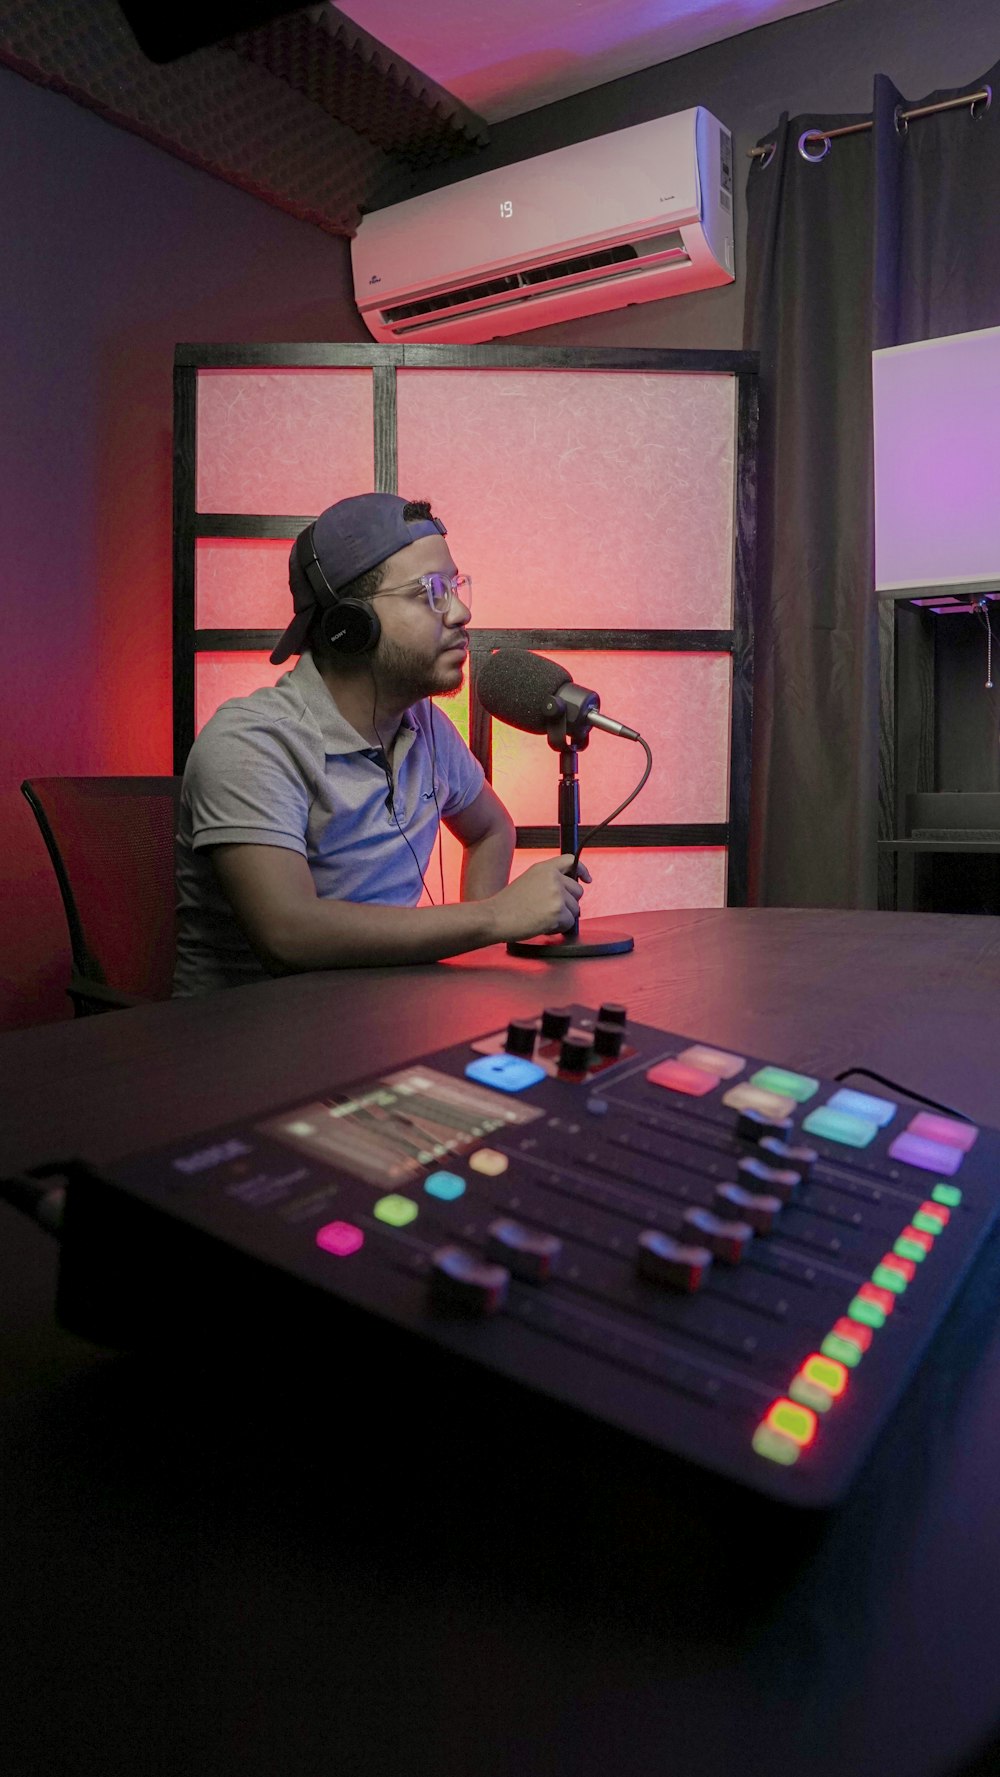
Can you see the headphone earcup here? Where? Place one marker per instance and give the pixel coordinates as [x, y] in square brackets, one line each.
[351, 626]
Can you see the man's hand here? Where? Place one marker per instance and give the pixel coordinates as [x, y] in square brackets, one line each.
[544, 899]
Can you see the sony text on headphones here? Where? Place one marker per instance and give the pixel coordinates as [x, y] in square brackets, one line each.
[349, 625]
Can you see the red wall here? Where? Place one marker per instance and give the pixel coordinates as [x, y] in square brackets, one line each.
[113, 253]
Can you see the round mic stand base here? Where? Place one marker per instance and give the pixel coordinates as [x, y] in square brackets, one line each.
[585, 940]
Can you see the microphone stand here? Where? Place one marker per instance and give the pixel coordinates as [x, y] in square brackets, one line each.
[568, 727]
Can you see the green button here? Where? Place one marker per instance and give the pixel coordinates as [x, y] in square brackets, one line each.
[397, 1211]
[950, 1195]
[868, 1313]
[909, 1249]
[841, 1126]
[777, 1079]
[844, 1350]
[775, 1446]
[810, 1394]
[888, 1279]
[927, 1224]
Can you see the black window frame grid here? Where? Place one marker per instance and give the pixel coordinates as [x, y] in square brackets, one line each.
[190, 526]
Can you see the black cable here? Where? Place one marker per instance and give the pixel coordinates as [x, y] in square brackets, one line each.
[391, 799]
[621, 806]
[866, 1073]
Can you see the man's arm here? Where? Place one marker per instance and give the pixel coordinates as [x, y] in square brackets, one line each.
[486, 832]
[272, 894]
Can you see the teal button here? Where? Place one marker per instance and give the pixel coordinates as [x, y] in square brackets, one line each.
[506, 1073]
[840, 1126]
[863, 1104]
[445, 1185]
[778, 1079]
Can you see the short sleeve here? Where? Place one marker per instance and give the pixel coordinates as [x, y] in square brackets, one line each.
[459, 774]
[245, 785]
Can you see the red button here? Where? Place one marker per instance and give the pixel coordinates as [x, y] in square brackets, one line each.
[884, 1299]
[859, 1335]
[935, 1209]
[906, 1267]
[692, 1081]
[917, 1234]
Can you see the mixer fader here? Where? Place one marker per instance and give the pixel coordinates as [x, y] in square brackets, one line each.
[726, 1258]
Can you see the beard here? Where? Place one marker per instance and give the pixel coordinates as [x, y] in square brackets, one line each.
[406, 675]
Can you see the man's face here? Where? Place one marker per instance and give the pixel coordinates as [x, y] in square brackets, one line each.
[421, 653]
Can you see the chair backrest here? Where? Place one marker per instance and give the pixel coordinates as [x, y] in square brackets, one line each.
[111, 841]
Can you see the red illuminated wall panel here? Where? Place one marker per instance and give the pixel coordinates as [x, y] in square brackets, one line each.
[282, 440]
[578, 499]
[646, 878]
[241, 583]
[678, 702]
[224, 675]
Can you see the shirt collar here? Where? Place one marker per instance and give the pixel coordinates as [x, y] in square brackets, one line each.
[339, 736]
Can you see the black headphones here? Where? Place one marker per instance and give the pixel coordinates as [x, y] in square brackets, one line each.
[349, 625]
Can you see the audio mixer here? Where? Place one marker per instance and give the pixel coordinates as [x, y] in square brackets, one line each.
[727, 1259]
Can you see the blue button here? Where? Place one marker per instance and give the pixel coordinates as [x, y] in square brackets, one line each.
[446, 1185]
[507, 1073]
[863, 1104]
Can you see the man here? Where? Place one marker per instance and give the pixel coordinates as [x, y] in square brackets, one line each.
[309, 810]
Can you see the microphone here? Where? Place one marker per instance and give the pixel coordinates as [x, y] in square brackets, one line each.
[528, 692]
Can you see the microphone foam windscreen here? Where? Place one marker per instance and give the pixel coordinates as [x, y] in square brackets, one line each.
[515, 685]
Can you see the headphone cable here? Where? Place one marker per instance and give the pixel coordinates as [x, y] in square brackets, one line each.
[391, 799]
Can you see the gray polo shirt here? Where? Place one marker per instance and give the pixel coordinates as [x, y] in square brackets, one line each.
[283, 767]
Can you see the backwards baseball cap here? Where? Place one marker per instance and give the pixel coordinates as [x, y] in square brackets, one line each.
[347, 539]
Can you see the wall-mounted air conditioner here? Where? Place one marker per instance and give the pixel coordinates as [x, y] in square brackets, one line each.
[642, 213]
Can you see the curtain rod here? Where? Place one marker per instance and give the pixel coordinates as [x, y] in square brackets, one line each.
[984, 96]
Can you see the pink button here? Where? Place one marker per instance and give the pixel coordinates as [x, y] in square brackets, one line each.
[340, 1238]
[693, 1081]
[944, 1129]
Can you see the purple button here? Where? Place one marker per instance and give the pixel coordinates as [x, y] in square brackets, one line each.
[944, 1129]
[930, 1156]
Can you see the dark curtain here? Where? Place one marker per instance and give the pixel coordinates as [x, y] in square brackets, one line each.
[893, 236]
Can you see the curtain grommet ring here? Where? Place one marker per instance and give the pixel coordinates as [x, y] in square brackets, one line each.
[979, 107]
[766, 155]
[900, 120]
[809, 137]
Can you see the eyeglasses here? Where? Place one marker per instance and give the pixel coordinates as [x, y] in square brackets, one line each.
[439, 589]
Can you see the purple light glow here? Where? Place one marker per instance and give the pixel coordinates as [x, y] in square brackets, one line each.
[937, 463]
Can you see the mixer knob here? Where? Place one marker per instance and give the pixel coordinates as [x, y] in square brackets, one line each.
[802, 1159]
[608, 1039]
[727, 1239]
[612, 1012]
[754, 1126]
[555, 1022]
[521, 1034]
[761, 1211]
[527, 1252]
[464, 1284]
[779, 1181]
[661, 1259]
[574, 1055]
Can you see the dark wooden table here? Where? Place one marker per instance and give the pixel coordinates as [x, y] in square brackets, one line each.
[219, 1568]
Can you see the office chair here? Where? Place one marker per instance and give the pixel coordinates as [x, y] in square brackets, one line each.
[111, 841]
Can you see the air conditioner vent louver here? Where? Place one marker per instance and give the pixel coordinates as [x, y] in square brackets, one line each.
[664, 245]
